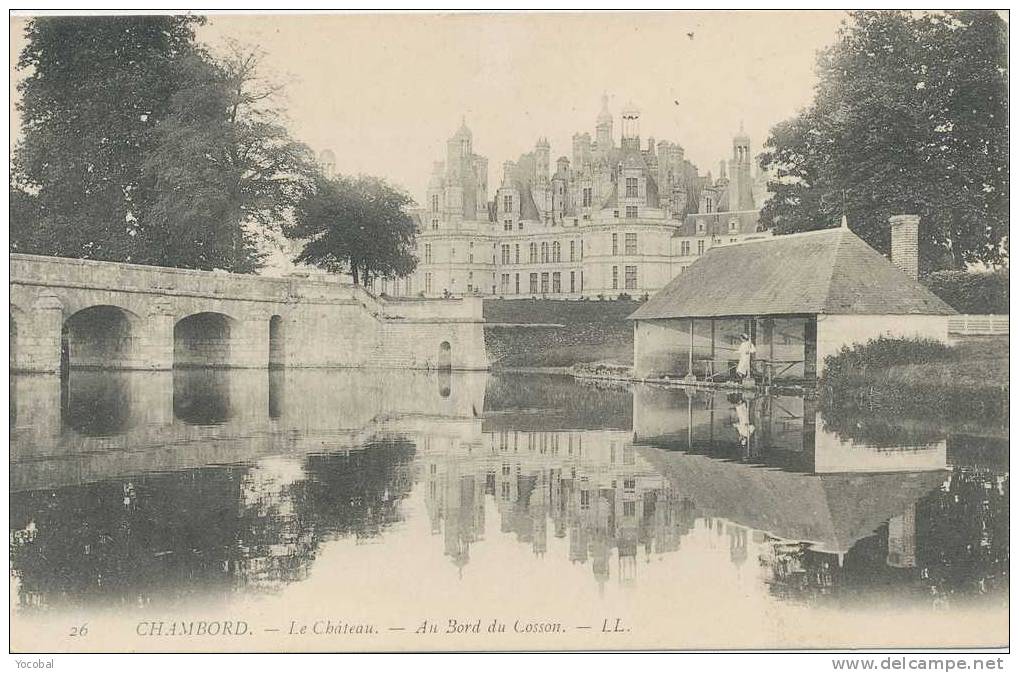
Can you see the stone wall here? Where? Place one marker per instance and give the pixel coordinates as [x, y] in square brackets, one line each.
[321, 322]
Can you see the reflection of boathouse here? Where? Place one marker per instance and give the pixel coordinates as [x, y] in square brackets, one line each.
[793, 477]
[800, 297]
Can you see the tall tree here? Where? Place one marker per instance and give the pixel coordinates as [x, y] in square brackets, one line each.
[225, 169]
[96, 89]
[138, 145]
[910, 115]
[357, 225]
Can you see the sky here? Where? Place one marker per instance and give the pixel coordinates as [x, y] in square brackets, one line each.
[384, 92]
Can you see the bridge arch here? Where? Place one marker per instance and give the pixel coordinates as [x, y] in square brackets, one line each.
[99, 337]
[203, 340]
[16, 320]
[276, 343]
[445, 361]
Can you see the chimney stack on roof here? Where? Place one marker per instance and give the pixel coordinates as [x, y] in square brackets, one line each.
[906, 243]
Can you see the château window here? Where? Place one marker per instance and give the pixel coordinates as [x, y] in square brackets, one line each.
[544, 252]
[435, 224]
[428, 253]
[506, 255]
[615, 244]
[505, 283]
[435, 203]
[732, 225]
[428, 283]
[470, 253]
[615, 278]
[631, 212]
[507, 203]
[631, 188]
[533, 253]
[684, 248]
[700, 247]
[572, 250]
[544, 282]
[587, 197]
[573, 282]
[556, 252]
[516, 283]
[556, 283]
[516, 253]
[534, 283]
[630, 279]
[707, 205]
[507, 225]
[631, 244]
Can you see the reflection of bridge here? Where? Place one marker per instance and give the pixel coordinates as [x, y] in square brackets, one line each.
[105, 425]
[71, 312]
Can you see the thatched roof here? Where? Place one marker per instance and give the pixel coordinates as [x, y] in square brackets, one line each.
[831, 271]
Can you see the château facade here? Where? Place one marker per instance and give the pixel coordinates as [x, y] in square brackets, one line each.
[611, 219]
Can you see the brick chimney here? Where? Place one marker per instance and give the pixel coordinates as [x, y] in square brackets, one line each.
[905, 243]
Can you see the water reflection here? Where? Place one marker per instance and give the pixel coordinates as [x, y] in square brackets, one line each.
[149, 488]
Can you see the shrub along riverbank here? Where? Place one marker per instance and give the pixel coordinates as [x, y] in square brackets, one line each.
[921, 379]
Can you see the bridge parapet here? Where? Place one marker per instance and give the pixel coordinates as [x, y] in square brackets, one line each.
[242, 320]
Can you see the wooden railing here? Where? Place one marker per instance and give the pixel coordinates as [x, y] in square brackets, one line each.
[973, 325]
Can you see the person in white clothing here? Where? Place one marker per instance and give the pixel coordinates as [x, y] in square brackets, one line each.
[746, 349]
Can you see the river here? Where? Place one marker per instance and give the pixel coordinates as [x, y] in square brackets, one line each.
[391, 510]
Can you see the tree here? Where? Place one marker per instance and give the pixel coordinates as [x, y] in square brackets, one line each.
[357, 225]
[225, 169]
[910, 115]
[140, 146]
[96, 90]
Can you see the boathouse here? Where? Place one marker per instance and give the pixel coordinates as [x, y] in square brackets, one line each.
[800, 297]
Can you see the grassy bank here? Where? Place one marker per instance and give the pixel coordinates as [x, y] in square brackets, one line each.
[558, 333]
[921, 379]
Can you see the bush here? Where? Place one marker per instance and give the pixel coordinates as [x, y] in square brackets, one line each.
[971, 292]
[881, 354]
[623, 297]
[918, 377]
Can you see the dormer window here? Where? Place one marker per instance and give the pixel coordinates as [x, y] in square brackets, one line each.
[507, 203]
[700, 227]
[631, 188]
[732, 225]
[435, 203]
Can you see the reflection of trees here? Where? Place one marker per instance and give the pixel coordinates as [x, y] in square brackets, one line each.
[169, 536]
[512, 400]
[874, 429]
[955, 542]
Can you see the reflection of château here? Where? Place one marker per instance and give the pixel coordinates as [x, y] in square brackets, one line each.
[139, 488]
[587, 486]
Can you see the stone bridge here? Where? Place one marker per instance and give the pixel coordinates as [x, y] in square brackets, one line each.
[73, 313]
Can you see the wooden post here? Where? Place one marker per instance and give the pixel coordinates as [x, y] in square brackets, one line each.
[690, 376]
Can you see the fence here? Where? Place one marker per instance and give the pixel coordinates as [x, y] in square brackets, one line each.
[972, 325]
